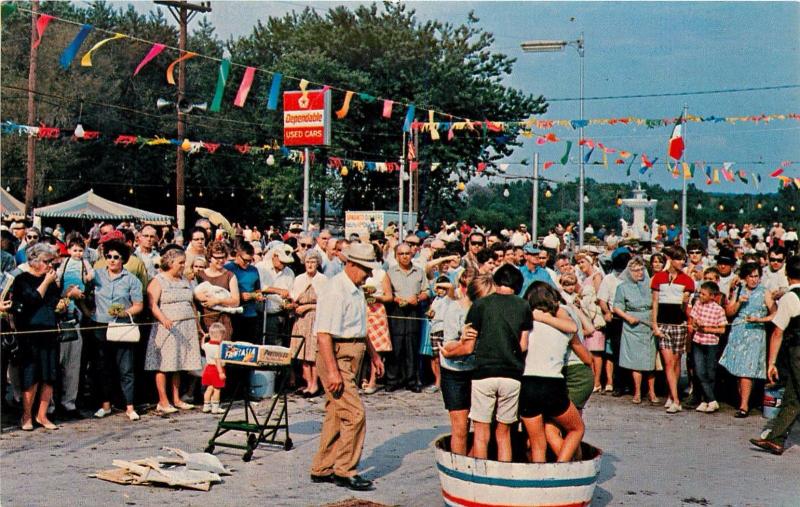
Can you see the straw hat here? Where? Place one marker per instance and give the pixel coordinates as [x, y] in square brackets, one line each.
[362, 254]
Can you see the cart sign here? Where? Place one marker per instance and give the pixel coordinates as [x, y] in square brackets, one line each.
[307, 118]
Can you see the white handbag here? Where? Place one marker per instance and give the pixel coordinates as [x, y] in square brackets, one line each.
[123, 332]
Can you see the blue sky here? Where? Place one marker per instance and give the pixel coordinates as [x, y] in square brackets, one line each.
[634, 48]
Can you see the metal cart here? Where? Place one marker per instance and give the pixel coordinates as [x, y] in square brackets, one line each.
[263, 429]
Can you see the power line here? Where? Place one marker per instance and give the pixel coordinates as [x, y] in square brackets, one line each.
[677, 94]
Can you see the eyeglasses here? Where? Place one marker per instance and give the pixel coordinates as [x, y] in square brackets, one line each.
[411, 243]
[476, 243]
[112, 257]
[218, 257]
[246, 260]
[47, 261]
[32, 236]
[695, 252]
[304, 245]
[149, 236]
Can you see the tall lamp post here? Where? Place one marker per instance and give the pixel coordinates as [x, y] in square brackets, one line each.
[549, 46]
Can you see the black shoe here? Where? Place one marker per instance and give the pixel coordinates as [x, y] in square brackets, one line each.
[616, 394]
[356, 483]
[392, 388]
[321, 478]
[415, 388]
[767, 445]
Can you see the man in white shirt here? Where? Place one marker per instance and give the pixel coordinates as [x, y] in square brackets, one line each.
[774, 277]
[276, 281]
[341, 329]
[146, 239]
[551, 242]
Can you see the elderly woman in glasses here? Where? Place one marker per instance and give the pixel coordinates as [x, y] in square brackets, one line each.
[36, 296]
[174, 344]
[117, 293]
[305, 290]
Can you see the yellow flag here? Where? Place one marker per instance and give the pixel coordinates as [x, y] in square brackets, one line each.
[687, 174]
[434, 127]
[86, 60]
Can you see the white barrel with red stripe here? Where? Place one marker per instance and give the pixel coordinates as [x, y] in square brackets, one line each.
[471, 482]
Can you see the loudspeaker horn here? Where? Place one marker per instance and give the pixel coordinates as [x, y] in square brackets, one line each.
[162, 103]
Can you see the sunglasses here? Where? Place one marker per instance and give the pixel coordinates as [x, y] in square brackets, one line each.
[476, 243]
[695, 252]
[112, 257]
[305, 245]
[246, 260]
[32, 236]
[775, 259]
[411, 243]
[218, 257]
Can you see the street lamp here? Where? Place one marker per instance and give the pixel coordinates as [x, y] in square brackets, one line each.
[549, 46]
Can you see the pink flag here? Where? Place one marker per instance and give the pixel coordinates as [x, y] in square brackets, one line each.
[154, 51]
[244, 87]
[387, 108]
[776, 172]
[41, 25]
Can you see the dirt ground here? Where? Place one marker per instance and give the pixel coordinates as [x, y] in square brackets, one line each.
[650, 458]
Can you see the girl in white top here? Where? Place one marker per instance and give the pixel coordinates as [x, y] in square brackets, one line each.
[543, 393]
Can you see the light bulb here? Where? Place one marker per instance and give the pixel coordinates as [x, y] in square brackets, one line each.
[79, 132]
[585, 198]
[49, 188]
[775, 209]
[722, 207]
[675, 205]
[405, 176]
[186, 145]
[548, 194]
[261, 196]
[699, 205]
[506, 193]
[759, 205]
[130, 190]
[8, 188]
[741, 211]
[232, 194]
[271, 159]
[619, 200]
[461, 186]
[167, 193]
[344, 171]
[200, 194]
[791, 208]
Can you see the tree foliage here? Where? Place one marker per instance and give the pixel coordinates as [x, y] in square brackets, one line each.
[383, 51]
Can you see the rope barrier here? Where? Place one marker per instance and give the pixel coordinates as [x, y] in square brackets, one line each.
[92, 328]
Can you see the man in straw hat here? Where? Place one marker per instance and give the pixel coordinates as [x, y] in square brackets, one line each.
[341, 328]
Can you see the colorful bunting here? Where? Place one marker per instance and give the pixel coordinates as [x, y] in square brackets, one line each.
[244, 87]
[341, 113]
[171, 68]
[565, 156]
[387, 108]
[409, 117]
[86, 60]
[222, 78]
[69, 53]
[548, 164]
[588, 156]
[274, 91]
[433, 126]
[777, 172]
[41, 26]
[154, 51]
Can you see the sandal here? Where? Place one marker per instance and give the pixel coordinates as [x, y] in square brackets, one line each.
[169, 409]
[741, 414]
[636, 400]
[597, 389]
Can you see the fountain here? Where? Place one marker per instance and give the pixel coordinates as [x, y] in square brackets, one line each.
[639, 204]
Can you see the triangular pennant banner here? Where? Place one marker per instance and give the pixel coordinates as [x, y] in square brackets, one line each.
[154, 51]
[41, 26]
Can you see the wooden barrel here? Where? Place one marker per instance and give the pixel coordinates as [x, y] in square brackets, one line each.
[471, 482]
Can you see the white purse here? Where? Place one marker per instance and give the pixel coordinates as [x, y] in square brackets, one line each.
[123, 332]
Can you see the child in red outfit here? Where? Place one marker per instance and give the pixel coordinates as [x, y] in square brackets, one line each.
[214, 372]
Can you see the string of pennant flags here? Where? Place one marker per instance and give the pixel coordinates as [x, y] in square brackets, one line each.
[432, 127]
[343, 165]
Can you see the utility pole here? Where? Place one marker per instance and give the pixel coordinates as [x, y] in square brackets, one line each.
[30, 182]
[183, 12]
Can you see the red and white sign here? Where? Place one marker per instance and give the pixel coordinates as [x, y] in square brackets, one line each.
[307, 118]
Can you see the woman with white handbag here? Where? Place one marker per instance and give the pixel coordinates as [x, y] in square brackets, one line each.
[118, 297]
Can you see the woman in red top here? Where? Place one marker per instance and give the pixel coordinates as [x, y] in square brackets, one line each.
[671, 290]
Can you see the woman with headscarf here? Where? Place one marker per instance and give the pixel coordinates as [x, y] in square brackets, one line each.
[633, 303]
[305, 290]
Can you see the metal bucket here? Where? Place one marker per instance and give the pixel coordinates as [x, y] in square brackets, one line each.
[472, 482]
[773, 398]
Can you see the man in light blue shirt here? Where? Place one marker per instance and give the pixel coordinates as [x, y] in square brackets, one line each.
[533, 270]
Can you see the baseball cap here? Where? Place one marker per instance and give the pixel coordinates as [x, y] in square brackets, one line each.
[530, 248]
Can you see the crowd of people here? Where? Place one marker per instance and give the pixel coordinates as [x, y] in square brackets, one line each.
[508, 329]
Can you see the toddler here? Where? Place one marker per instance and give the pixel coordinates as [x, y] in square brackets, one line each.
[214, 372]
